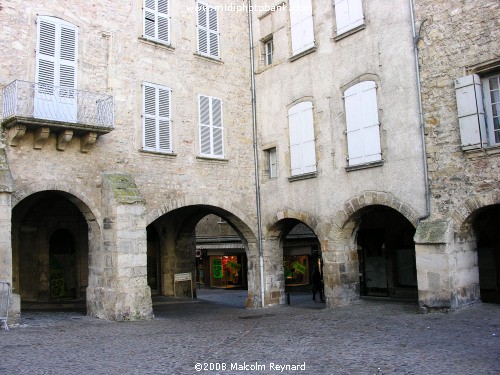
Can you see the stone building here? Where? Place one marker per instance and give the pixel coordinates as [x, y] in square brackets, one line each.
[458, 246]
[123, 127]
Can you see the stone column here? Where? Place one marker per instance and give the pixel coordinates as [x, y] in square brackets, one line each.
[118, 287]
[447, 271]
[274, 277]
[6, 185]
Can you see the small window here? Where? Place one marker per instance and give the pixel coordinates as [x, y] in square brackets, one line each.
[302, 141]
[211, 130]
[156, 118]
[348, 15]
[208, 30]
[363, 128]
[271, 161]
[268, 51]
[301, 26]
[491, 92]
[157, 20]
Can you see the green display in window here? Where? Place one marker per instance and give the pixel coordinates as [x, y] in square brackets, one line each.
[217, 268]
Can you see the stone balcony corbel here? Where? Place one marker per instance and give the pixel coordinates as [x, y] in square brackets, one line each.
[87, 140]
[16, 133]
[41, 135]
[63, 139]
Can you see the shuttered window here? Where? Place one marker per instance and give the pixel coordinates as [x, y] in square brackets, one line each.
[302, 142]
[301, 25]
[348, 15]
[211, 130]
[491, 86]
[363, 128]
[156, 118]
[157, 20]
[56, 69]
[208, 30]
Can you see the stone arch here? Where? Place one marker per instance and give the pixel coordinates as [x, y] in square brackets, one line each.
[463, 215]
[273, 230]
[75, 194]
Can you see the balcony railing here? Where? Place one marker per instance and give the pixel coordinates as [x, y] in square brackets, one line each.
[61, 107]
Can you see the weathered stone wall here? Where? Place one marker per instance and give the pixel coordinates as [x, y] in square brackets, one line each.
[457, 38]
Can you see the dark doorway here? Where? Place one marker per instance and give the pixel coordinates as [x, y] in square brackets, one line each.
[63, 273]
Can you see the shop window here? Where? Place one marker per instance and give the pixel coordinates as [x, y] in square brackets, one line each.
[226, 271]
[296, 269]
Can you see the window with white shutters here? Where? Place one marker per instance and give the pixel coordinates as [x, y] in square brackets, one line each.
[208, 30]
[157, 20]
[301, 25]
[478, 106]
[302, 140]
[363, 128]
[211, 130]
[156, 118]
[348, 15]
[56, 70]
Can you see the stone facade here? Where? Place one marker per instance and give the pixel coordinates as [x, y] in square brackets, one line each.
[457, 38]
[93, 211]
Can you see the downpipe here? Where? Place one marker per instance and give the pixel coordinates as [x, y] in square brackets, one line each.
[256, 156]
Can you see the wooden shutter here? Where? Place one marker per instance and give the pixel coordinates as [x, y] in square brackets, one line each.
[363, 133]
[157, 20]
[202, 28]
[470, 112]
[213, 29]
[157, 122]
[302, 142]
[211, 127]
[301, 25]
[56, 70]
[348, 14]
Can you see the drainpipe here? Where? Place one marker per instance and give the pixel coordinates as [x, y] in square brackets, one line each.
[416, 38]
[256, 155]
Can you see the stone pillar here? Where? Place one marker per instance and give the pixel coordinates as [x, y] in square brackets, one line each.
[118, 287]
[447, 271]
[253, 276]
[274, 276]
[6, 185]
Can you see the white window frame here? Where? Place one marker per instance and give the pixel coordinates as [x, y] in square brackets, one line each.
[268, 52]
[348, 15]
[301, 26]
[362, 124]
[162, 118]
[302, 139]
[152, 12]
[493, 134]
[208, 127]
[210, 44]
[272, 162]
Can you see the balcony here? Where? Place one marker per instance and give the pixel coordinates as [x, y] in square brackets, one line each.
[42, 108]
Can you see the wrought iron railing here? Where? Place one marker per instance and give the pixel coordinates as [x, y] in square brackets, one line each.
[48, 102]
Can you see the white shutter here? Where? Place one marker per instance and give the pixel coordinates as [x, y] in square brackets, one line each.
[301, 25]
[205, 125]
[202, 28]
[157, 20]
[363, 133]
[348, 15]
[302, 142]
[213, 29]
[156, 118]
[218, 141]
[470, 112]
[56, 70]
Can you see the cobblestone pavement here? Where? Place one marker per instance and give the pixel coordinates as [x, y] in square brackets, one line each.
[368, 337]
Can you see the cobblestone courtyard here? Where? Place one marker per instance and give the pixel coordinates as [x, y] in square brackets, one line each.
[369, 337]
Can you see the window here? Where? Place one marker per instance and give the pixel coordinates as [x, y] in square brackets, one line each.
[268, 52]
[478, 105]
[271, 162]
[302, 142]
[156, 118]
[211, 131]
[56, 69]
[157, 20]
[208, 30]
[348, 15]
[301, 25]
[491, 87]
[363, 133]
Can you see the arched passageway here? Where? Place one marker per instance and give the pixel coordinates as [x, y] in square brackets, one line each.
[175, 248]
[50, 249]
[486, 225]
[386, 253]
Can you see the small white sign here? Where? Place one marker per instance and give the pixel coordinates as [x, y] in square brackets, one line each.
[182, 276]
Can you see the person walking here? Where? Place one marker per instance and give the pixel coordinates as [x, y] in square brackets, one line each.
[317, 282]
